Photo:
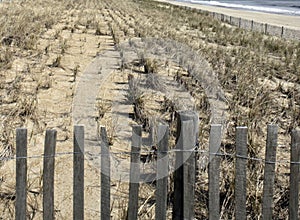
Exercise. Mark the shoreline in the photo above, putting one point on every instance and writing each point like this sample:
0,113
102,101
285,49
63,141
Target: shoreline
287,21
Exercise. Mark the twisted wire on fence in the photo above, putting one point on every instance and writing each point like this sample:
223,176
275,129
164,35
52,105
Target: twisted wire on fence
232,155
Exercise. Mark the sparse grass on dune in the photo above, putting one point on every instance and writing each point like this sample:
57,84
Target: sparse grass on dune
259,74
44,45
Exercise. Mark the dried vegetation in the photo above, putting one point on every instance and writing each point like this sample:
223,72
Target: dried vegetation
259,74
260,77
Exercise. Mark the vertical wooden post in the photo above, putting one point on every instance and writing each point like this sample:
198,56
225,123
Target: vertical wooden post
252,25
187,115
78,172
162,173
105,176
189,170
240,22
240,173
184,175
21,173
282,32
48,175
266,28
134,173
294,176
214,171
269,173
152,139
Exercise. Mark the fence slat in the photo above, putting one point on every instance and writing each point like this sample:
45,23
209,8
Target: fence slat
21,173
240,174
186,139
269,173
78,178
162,173
214,172
134,172
105,176
188,169
294,175
48,174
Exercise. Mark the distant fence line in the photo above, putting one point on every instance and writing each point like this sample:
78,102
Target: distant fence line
184,175
274,30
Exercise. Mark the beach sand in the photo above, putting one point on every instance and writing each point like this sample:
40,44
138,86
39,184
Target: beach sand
292,22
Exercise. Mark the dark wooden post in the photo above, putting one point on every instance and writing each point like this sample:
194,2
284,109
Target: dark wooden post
282,32
294,176
162,173
222,17
240,173
21,173
184,175
48,175
269,174
78,178
266,28
105,176
214,171
134,173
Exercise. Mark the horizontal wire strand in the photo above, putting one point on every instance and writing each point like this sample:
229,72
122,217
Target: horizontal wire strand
88,153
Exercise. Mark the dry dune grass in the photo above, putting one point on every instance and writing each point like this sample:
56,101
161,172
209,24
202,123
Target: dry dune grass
260,76
45,46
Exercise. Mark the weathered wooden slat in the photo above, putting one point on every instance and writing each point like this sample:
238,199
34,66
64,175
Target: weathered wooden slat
180,183
188,169
21,173
214,171
294,176
240,173
48,175
105,176
78,173
188,115
269,173
162,173
134,173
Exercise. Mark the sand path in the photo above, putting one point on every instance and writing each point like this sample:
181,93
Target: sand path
104,75
84,103
96,75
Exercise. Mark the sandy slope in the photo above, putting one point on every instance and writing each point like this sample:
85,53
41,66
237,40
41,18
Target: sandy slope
55,103
53,88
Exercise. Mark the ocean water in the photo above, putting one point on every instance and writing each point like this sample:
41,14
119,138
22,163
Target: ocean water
290,7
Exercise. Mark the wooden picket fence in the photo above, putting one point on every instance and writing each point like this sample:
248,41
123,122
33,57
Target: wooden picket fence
184,176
